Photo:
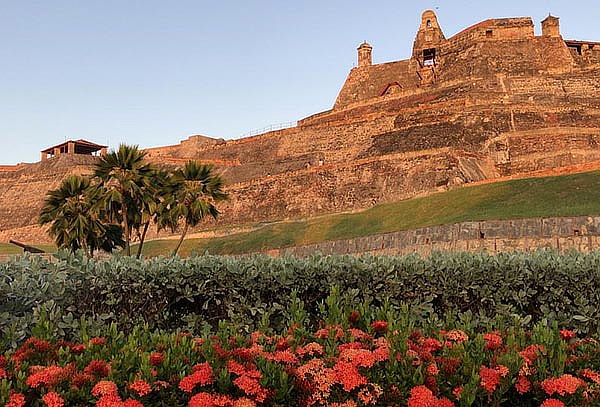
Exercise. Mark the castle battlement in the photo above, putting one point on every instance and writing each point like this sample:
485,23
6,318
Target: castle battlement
506,46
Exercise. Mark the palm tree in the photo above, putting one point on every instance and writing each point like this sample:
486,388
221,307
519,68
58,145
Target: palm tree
75,222
124,175
197,190
161,186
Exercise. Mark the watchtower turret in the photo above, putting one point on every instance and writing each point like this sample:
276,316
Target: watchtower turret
365,54
429,38
551,26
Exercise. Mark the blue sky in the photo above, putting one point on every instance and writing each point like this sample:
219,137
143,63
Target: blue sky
154,72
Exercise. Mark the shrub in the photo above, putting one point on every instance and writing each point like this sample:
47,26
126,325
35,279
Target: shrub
350,363
170,293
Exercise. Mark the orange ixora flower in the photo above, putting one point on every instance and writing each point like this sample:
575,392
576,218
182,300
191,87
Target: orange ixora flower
348,403
15,400
202,375
591,375
104,387
348,376
566,384
110,400
523,385
457,336
567,335
493,341
53,399
490,378
97,341
156,358
244,402
369,394
251,387
47,376
379,326
141,387
209,400
552,403
421,396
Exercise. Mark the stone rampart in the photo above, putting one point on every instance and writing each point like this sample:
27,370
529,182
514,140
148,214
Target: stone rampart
563,234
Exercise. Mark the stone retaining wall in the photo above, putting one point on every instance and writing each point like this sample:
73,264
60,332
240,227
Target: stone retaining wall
564,234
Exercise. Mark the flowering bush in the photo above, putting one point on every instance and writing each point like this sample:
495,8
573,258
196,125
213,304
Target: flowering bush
354,362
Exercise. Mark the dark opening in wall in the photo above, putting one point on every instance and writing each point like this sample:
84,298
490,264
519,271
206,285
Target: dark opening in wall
576,232
575,47
489,33
481,235
429,57
428,23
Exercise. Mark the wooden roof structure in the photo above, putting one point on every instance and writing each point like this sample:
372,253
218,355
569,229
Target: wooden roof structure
80,147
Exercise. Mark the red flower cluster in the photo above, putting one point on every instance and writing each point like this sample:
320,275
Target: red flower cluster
48,376
156,358
567,335
379,326
109,396
421,396
141,387
493,341
566,384
490,378
523,384
202,375
457,336
553,403
216,400
591,375
334,367
53,399
16,400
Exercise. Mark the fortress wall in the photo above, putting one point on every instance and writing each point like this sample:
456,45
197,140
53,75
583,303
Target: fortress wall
550,147
22,192
367,82
494,236
357,184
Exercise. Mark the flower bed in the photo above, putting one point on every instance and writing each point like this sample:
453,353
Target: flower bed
356,363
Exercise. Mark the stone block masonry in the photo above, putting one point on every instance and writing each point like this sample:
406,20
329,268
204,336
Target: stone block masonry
563,234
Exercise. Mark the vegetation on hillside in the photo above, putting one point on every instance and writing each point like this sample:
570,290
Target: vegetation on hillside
123,197
565,195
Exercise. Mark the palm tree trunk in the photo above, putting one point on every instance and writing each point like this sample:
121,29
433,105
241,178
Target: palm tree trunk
185,229
126,227
139,252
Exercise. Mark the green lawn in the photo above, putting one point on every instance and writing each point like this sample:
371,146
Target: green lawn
566,195
7,248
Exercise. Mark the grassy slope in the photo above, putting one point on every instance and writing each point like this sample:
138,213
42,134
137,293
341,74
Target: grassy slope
566,195
7,248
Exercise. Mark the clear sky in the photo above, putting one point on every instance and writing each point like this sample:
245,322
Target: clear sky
153,72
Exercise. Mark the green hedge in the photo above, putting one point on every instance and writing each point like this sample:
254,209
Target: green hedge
188,293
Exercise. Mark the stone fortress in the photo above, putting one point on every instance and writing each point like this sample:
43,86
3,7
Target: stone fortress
490,102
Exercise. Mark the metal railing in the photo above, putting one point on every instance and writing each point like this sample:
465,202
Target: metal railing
273,127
